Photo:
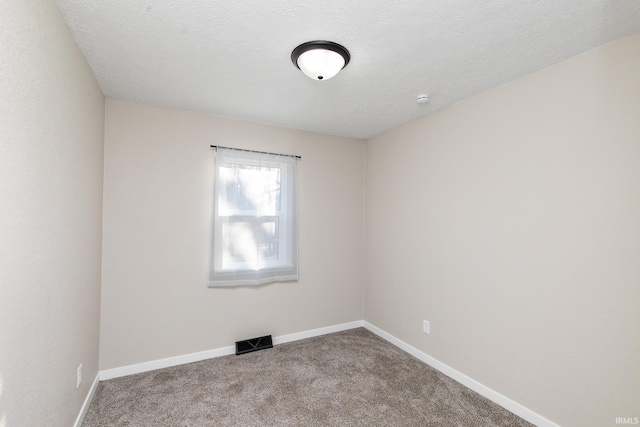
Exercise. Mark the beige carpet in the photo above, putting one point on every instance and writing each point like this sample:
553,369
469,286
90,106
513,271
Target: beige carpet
351,378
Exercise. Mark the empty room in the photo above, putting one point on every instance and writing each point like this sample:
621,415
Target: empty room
305,213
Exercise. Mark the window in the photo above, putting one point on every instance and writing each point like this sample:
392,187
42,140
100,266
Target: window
254,237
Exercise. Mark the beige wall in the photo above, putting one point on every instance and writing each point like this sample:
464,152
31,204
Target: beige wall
511,221
51,157
157,206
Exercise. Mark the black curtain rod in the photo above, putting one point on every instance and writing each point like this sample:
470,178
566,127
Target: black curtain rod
259,152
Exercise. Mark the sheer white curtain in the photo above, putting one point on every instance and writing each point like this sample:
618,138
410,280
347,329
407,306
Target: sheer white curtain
254,239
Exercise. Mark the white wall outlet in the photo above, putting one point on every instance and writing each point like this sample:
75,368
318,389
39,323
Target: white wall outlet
426,327
79,376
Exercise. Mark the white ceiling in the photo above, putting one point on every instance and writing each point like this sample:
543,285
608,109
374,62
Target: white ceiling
232,58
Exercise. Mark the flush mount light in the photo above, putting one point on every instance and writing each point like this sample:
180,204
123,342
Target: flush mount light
320,60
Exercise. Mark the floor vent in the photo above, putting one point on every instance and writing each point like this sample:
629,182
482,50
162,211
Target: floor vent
253,344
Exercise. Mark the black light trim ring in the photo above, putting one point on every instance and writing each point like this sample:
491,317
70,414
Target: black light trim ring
320,44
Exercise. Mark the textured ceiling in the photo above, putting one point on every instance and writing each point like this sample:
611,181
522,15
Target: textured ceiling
232,58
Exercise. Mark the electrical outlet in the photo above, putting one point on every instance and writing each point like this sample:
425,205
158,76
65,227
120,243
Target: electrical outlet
426,327
79,376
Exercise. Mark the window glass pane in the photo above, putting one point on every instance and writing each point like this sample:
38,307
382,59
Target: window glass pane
250,188
252,241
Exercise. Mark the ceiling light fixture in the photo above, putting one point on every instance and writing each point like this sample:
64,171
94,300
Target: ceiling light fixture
320,60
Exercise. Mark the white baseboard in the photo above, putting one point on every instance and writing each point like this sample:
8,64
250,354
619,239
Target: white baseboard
123,371
87,401
317,332
474,385
108,374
